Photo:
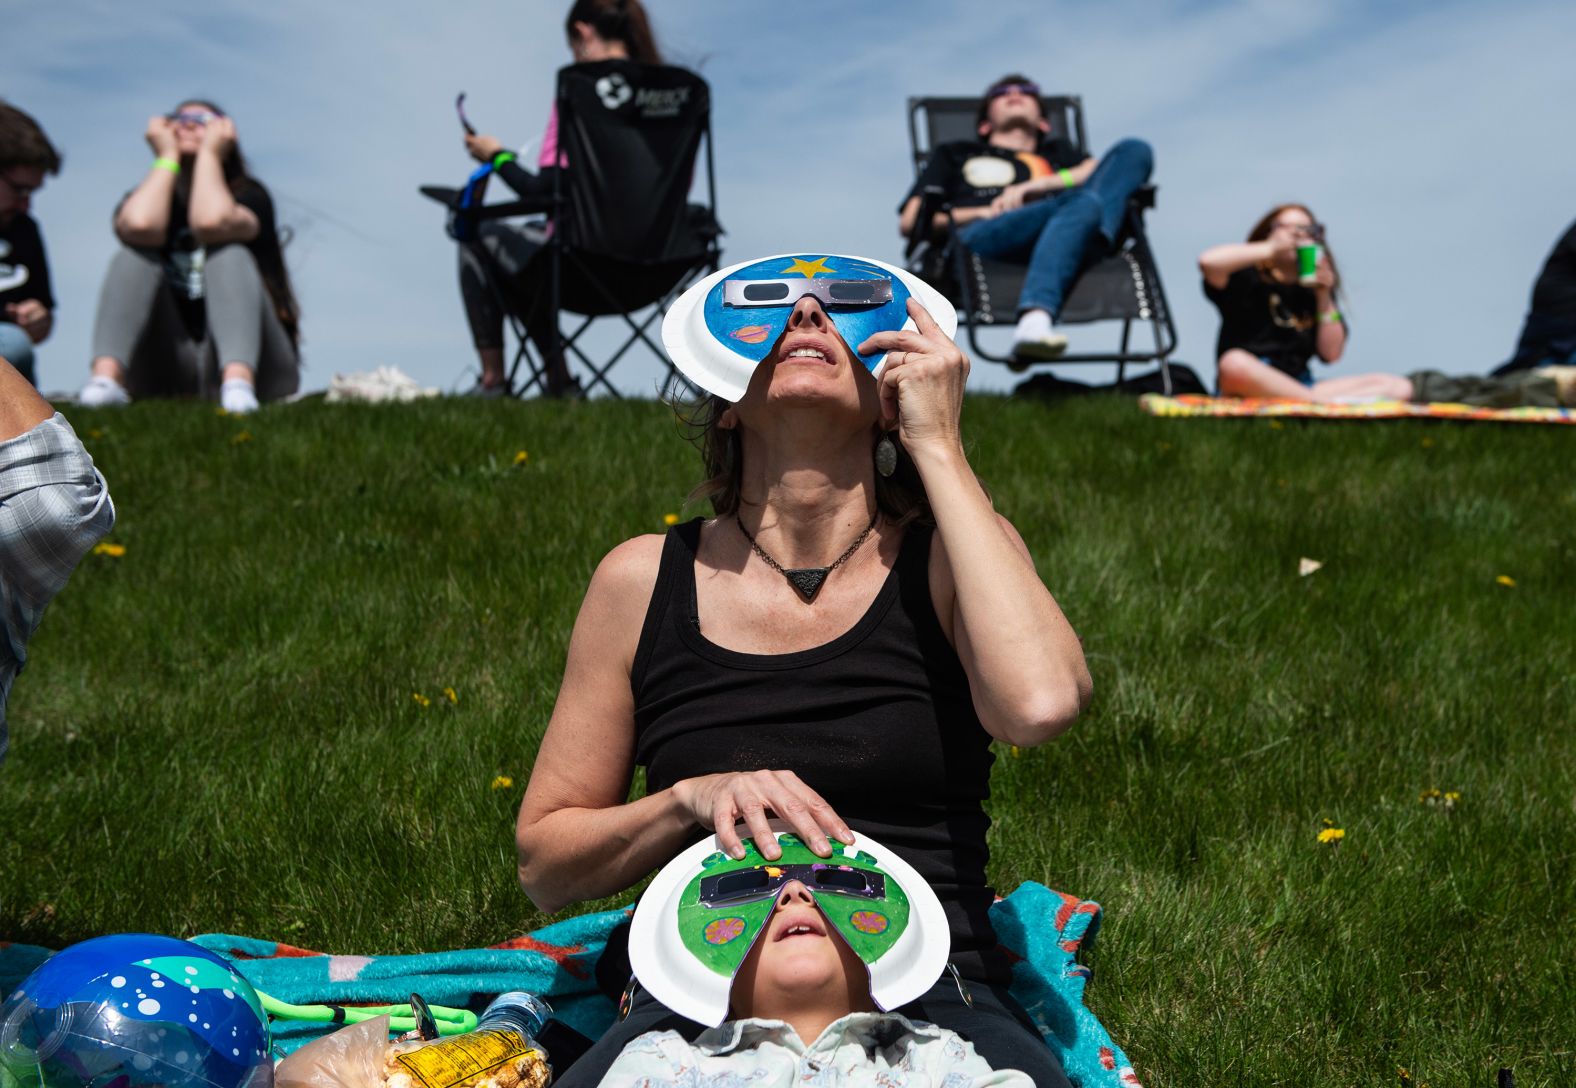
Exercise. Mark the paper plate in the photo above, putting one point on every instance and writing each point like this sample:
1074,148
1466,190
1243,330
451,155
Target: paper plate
718,346
663,951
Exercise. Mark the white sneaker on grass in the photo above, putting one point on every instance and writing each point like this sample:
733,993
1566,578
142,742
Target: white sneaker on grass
102,392
238,397
1036,340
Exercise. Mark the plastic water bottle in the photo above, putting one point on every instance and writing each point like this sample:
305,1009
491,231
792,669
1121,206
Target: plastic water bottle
516,1011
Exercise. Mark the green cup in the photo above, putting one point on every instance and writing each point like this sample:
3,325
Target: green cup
1308,262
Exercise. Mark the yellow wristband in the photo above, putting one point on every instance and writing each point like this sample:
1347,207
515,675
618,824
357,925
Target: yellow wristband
162,163
1068,181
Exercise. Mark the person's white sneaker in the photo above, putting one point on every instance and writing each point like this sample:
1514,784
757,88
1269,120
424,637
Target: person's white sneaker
1036,340
238,397
102,392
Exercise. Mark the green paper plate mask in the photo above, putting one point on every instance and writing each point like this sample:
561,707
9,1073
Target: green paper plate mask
697,922
727,906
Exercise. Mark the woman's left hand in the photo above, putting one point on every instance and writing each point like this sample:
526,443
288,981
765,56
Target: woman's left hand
921,385
483,148
218,136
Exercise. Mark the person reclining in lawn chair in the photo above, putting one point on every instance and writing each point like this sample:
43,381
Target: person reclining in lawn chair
1022,195
798,966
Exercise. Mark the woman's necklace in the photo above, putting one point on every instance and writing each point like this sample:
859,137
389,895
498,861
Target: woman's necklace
807,580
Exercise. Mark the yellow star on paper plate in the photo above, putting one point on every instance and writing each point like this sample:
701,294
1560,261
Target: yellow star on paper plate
809,269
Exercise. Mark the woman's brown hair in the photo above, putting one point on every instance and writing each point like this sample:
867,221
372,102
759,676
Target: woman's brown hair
617,21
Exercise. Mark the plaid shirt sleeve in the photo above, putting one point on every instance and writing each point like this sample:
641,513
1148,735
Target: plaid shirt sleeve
54,506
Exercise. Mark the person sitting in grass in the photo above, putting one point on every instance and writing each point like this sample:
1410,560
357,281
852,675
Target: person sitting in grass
838,646
54,506
1548,336
1272,324
1273,320
794,963
26,302
197,300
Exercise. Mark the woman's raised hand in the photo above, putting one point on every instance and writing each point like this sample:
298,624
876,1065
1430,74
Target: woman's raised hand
218,136
922,381
483,148
719,801
160,135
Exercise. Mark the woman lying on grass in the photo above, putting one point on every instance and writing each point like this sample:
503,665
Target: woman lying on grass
837,647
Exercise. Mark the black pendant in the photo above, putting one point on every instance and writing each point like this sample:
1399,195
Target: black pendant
807,580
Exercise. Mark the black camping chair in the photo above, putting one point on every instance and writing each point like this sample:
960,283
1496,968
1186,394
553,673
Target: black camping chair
1122,284
625,237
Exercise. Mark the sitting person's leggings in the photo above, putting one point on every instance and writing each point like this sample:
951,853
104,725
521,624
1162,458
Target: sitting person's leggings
139,325
497,276
998,1027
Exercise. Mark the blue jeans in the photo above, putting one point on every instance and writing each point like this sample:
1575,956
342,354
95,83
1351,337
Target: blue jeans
16,348
1051,235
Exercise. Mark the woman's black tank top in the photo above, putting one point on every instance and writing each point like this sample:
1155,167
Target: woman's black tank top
878,721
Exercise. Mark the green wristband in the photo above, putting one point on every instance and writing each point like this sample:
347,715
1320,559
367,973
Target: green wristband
1068,181
172,165
502,157
1330,317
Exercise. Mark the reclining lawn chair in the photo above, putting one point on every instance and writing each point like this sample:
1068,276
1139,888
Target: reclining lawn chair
624,237
1122,284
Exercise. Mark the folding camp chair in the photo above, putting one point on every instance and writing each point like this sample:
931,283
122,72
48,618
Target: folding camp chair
624,237
1120,284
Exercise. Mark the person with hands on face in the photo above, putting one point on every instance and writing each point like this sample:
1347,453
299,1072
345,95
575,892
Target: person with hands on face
837,647
1024,196
27,301
496,269
1271,324
197,300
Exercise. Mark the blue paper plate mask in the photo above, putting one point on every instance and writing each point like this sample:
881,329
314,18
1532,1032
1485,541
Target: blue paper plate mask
752,330
723,327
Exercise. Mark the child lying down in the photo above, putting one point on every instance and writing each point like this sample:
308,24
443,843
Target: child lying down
794,962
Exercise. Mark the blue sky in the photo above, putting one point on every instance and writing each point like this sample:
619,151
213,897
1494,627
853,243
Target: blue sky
1434,139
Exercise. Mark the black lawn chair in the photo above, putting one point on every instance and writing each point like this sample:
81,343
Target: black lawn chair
624,237
1122,284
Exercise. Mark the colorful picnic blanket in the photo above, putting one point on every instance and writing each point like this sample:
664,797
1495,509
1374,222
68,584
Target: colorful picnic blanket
1042,929
1196,405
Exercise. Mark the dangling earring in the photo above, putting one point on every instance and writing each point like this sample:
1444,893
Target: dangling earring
886,455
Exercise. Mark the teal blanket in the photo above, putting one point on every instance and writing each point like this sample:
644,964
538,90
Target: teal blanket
1042,929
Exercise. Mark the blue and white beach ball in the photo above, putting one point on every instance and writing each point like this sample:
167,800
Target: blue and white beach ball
135,1010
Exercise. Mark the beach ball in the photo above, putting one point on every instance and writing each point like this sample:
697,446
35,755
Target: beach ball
134,1010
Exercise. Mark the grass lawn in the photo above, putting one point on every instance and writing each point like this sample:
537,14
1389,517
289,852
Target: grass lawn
220,729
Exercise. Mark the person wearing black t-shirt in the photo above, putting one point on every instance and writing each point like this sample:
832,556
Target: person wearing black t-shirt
26,302
197,301
1271,325
1548,338
1020,195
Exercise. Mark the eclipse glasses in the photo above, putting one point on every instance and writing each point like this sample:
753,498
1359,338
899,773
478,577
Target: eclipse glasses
763,881
870,292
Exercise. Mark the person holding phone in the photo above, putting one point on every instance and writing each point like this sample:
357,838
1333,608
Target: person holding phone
197,300
496,270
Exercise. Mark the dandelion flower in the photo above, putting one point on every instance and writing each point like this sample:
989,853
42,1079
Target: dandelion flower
1428,796
1507,581
1277,425
502,782
1015,752
670,519
221,411
96,433
242,436
521,457
1452,797
420,700
114,551
1428,443
452,695
1332,834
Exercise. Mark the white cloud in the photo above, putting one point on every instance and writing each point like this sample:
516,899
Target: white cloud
1430,138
